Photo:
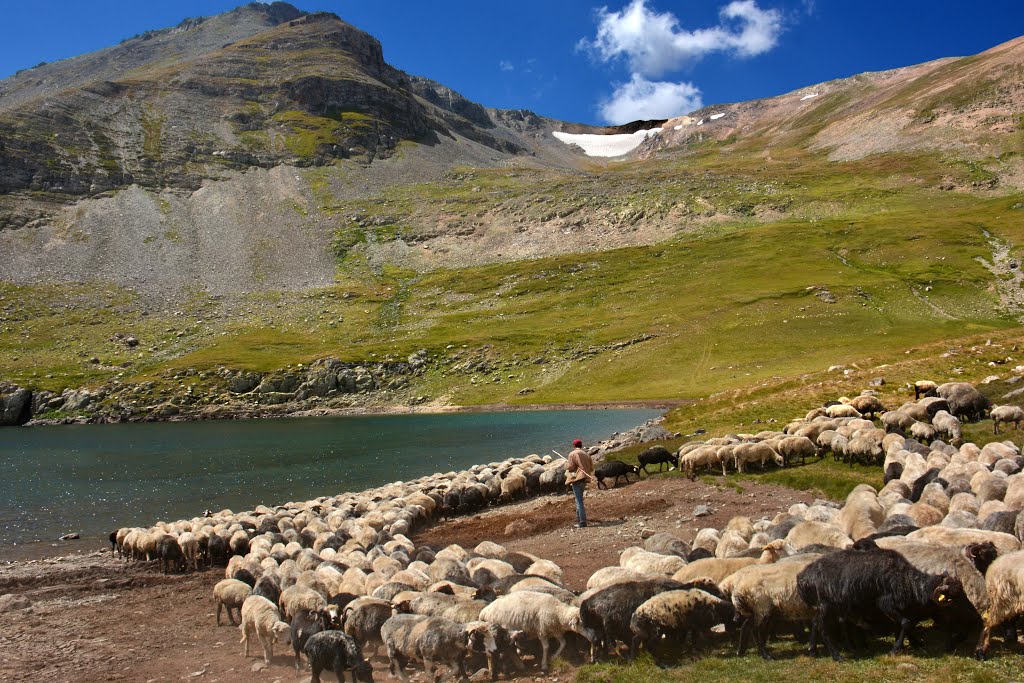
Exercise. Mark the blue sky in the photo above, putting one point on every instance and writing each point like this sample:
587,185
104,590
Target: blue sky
583,60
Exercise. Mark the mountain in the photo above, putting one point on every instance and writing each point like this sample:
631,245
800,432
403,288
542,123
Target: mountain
244,200
149,153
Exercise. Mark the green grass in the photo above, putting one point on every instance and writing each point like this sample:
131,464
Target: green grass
826,477
723,666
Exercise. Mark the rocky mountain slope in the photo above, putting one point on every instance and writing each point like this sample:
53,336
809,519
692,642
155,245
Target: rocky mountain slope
140,163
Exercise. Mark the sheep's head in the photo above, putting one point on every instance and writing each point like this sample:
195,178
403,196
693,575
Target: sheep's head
479,637
363,672
281,631
948,591
773,551
981,554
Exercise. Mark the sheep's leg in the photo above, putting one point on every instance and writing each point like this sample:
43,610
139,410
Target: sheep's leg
544,653
825,636
981,650
995,426
245,641
901,636
219,606
762,639
428,669
268,648
741,637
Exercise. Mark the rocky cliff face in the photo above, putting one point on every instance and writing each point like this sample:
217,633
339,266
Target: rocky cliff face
169,110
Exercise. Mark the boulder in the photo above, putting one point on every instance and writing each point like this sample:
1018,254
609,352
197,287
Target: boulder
243,383
15,405
285,384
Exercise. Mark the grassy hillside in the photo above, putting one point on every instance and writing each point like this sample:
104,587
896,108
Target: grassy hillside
856,261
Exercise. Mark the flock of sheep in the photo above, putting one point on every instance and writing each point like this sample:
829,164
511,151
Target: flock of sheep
339,577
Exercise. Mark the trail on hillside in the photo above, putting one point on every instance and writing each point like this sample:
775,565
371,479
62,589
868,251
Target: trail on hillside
1009,278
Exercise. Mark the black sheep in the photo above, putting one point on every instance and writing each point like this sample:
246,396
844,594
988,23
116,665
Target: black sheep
218,551
337,652
698,553
928,477
113,542
657,455
452,501
608,612
893,470
876,586
341,601
472,500
245,576
269,588
616,469
304,625
169,552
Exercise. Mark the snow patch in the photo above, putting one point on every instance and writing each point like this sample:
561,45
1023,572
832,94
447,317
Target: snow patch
679,127
606,145
715,117
809,97
701,122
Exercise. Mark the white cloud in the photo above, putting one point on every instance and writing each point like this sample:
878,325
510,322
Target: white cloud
644,99
655,43
506,65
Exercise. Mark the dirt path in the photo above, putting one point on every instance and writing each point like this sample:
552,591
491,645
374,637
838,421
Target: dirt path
94,619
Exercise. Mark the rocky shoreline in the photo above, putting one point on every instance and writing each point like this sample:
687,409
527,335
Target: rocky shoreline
328,386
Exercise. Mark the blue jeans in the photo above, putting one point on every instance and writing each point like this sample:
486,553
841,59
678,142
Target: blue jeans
577,489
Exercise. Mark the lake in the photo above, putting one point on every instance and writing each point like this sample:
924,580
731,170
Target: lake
91,479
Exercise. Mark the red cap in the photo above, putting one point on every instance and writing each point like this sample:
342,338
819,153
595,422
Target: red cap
577,444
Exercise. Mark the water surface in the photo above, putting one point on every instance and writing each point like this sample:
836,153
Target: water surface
90,479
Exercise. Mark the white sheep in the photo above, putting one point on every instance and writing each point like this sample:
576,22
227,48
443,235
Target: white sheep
861,514
1004,543
189,544
842,410
760,453
948,426
547,569
261,618
794,447
703,456
923,432
644,562
717,569
1004,584
1006,414
230,594
763,591
539,616
608,576
299,597
818,533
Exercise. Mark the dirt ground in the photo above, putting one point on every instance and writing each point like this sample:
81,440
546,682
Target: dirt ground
93,618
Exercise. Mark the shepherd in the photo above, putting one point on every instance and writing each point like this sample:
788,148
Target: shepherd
578,469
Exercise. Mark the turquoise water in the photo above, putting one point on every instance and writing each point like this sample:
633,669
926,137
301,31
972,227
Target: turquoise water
91,479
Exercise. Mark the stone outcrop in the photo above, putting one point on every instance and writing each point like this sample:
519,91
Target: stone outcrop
225,393
15,404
